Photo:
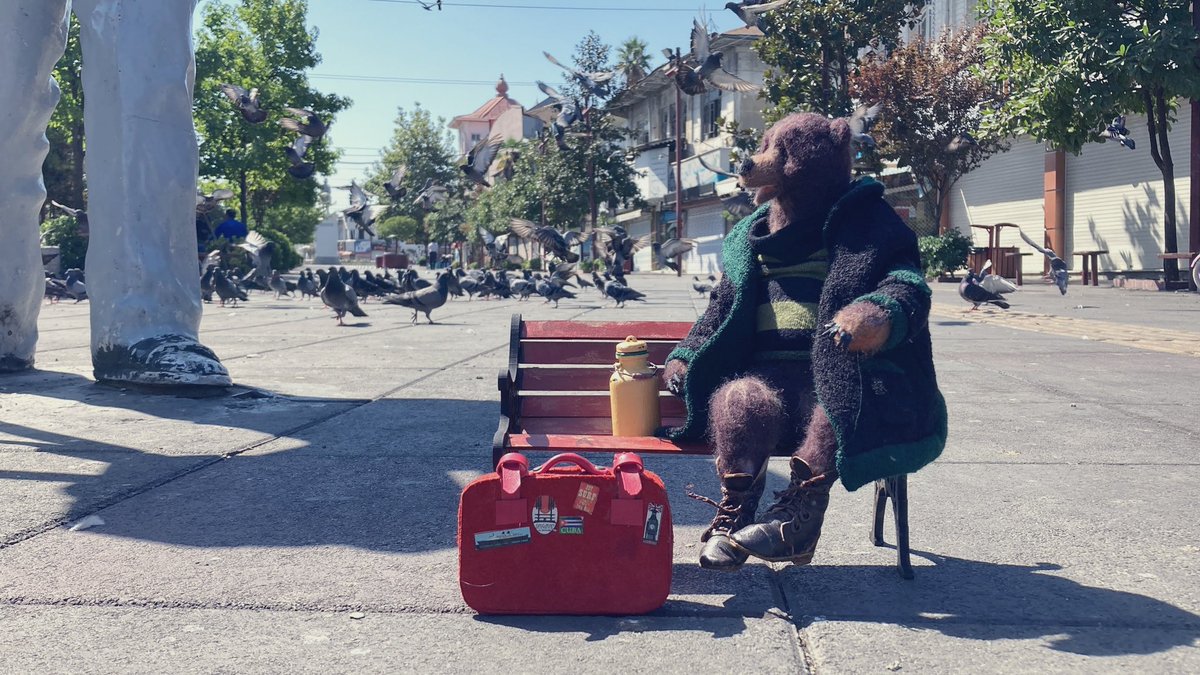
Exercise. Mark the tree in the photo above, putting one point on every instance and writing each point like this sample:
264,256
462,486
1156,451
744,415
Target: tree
399,228
813,47
632,60
263,44
931,93
63,172
422,144
591,56
1071,66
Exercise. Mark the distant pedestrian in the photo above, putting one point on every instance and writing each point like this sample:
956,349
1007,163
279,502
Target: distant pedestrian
431,258
231,228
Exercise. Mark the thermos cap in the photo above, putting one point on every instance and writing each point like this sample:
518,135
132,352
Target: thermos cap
632,347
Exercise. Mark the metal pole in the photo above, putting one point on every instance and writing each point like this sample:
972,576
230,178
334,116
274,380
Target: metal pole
1194,179
679,233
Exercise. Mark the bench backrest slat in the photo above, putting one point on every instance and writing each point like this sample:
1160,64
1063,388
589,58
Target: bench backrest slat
614,331
599,426
584,352
567,378
576,405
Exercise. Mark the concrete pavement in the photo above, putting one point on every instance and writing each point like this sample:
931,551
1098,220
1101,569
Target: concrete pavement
312,528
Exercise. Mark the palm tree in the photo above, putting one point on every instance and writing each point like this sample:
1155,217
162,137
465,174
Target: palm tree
632,60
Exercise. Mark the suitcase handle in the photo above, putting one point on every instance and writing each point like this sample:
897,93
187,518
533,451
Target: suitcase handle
571,458
512,468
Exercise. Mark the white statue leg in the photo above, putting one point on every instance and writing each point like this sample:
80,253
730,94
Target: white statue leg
33,35
142,272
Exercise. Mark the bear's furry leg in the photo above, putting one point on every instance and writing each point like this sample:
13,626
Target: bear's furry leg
746,419
819,449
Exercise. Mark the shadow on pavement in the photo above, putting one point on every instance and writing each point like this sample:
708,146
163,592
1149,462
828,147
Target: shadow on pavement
992,601
599,628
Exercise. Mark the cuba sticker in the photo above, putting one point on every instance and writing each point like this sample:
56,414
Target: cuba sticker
498,538
570,525
653,523
545,514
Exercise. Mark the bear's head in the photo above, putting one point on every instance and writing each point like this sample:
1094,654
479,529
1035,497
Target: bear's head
803,163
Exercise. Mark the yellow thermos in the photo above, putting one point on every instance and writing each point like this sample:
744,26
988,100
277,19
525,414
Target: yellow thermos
633,390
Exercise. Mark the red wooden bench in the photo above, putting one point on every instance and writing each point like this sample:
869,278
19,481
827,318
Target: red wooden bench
554,398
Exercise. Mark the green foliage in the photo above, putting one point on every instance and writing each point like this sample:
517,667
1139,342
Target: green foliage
745,139
591,56
63,232
632,60
473,265
295,220
286,258
945,253
402,228
63,169
930,92
812,48
262,44
533,264
1071,66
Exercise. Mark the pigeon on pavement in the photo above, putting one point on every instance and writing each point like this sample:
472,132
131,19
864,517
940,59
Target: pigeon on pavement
426,299
970,290
339,297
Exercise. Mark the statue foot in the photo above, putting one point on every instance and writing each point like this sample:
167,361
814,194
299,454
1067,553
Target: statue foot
162,361
13,364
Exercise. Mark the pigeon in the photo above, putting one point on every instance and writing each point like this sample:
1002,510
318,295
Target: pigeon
1195,265
206,283
567,116
395,190
598,281
339,297
431,195
75,286
226,289
79,215
672,249
970,290
961,141
553,292
261,250
360,210
555,242
620,247
684,71
300,169
739,205
750,12
621,293
247,103
278,285
994,282
476,162
55,289
584,283
1058,268
306,285
860,125
709,69
496,246
595,84
207,203
304,122
426,299
1116,131
702,289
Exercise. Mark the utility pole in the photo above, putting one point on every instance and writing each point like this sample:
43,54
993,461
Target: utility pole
1194,179
679,233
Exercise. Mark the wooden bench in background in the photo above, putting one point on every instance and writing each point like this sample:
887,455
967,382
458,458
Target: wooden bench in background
554,398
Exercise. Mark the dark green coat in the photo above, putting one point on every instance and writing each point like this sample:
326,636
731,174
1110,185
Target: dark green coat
887,412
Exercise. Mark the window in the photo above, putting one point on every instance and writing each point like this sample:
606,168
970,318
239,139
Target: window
668,121
475,138
711,113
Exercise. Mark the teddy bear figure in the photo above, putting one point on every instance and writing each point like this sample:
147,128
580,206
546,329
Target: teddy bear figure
815,343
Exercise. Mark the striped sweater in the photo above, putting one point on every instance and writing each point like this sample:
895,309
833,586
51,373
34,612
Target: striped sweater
792,267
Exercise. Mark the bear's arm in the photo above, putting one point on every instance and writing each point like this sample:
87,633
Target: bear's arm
906,298
719,305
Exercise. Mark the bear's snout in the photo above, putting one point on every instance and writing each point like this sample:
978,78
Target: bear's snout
746,166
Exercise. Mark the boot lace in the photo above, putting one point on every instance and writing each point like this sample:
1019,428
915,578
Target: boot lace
794,500
728,512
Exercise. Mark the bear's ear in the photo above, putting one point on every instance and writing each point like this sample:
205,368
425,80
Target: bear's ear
839,131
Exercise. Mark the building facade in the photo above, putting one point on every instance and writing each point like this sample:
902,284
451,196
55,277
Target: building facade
648,109
499,115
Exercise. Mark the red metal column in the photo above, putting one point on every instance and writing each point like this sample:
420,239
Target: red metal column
1054,203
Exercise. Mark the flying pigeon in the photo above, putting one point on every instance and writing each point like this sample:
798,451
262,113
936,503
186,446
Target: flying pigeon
749,12
683,70
970,290
247,103
555,242
261,250
431,195
339,297
1116,131
79,215
860,125
304,122
208,203
594,83
672,249
709,69
395,190
1058,268
300,169
476,162
360,211
994,282
961,142
568,114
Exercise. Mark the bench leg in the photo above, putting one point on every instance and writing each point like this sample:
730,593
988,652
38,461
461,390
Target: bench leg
895,487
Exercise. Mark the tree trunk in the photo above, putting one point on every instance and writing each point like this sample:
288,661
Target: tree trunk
243,195
1160,150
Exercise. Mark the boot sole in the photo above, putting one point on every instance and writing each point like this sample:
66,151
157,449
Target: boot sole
802,559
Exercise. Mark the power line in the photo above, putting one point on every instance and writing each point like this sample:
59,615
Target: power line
570,8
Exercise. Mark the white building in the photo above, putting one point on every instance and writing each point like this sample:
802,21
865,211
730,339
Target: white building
648,108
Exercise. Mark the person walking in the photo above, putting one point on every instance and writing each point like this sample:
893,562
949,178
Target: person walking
431,258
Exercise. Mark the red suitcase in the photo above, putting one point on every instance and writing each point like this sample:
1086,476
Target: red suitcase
565,538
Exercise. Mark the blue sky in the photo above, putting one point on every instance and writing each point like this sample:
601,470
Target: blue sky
389,39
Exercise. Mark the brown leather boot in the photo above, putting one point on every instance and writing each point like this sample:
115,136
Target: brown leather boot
789,530
740,493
